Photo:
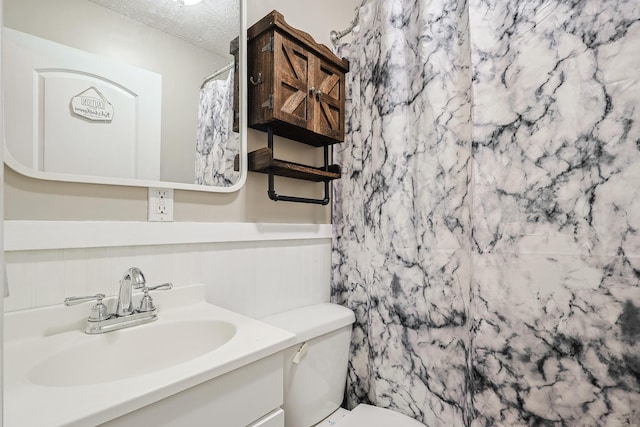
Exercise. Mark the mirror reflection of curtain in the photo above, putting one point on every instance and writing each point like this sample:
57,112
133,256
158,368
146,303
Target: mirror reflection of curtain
217,144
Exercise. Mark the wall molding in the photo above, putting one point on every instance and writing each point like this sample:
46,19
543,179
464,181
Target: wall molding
44,235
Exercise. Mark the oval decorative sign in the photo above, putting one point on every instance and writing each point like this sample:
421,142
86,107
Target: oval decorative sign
92,105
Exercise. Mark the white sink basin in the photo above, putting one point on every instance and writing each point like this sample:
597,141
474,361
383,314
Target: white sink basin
74,379
131,352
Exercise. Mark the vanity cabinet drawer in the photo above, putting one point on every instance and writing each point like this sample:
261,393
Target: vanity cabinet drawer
235,399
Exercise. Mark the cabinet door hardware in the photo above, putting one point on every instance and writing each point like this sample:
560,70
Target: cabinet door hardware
257,81
269,46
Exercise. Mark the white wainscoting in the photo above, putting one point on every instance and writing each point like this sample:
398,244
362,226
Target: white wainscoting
253,269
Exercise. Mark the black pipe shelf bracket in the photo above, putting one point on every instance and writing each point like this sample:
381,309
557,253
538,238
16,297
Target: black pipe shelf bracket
264,161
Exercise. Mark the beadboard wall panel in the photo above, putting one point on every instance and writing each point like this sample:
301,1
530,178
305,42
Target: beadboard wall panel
255,275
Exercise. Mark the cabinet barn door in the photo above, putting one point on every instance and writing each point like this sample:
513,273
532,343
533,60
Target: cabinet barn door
291,83
329,106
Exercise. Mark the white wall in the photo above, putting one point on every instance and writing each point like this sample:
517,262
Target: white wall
253,269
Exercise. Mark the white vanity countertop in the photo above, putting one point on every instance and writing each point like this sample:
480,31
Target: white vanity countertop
33,336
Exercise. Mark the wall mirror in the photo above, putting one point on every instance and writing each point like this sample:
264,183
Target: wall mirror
146,93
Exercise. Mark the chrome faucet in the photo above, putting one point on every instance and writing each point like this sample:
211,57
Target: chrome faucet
132,279
125,316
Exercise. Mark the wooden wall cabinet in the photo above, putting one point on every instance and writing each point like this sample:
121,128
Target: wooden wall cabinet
297,86
297,91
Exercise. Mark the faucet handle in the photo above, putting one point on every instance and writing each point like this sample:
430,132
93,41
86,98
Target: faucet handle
98,311
146,303
79,300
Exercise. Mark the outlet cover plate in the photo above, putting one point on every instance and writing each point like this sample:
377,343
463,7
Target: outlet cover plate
160,207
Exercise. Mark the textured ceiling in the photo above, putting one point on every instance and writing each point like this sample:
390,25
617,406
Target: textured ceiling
211,24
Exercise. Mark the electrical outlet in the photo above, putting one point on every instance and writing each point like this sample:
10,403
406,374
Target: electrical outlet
160,204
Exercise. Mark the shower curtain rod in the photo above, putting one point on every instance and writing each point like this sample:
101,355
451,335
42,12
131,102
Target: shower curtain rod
337,35
217,73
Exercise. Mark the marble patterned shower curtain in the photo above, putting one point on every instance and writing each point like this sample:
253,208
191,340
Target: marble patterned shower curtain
401,251
492,254
216,143
556,213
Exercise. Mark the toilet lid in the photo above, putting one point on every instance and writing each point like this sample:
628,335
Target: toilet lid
372,416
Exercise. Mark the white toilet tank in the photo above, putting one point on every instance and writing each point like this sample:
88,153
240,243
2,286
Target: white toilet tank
314,386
